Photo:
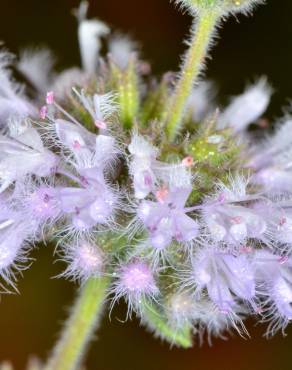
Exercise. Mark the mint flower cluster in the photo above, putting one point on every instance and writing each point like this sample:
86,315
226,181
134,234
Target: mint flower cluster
150,191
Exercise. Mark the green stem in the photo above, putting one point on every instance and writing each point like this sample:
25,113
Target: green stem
194,62
80,327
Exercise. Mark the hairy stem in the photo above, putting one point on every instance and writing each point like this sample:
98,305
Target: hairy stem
192,66
80,327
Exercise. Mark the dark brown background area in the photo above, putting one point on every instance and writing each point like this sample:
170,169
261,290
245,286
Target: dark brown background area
248,47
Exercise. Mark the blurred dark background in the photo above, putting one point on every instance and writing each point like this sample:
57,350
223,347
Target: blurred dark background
248,48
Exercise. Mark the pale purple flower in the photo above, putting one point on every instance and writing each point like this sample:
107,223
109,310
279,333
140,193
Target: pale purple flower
167,219
233,224
90,205
75,138
147,172
226,277
232,216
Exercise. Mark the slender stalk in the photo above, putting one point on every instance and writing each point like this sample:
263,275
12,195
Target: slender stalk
78,331
192,66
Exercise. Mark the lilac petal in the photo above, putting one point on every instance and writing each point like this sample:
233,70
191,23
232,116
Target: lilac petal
82,220
100,210
240,276
74,198
186,229
179,196
220,294
151,214
94,176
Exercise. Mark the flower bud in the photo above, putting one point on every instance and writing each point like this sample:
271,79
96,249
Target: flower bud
136,282
85,259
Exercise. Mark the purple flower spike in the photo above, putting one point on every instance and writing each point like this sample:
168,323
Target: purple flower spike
166,219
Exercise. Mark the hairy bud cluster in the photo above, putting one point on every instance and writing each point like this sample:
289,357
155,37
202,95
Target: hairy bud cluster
221,6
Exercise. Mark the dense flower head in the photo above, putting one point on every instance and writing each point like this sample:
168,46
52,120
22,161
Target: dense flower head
194,233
